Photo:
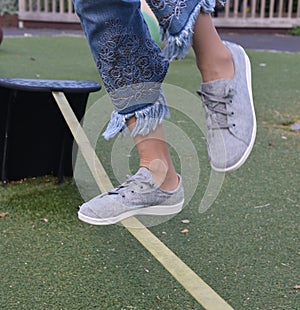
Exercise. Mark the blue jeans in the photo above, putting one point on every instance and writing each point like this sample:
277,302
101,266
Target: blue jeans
132,66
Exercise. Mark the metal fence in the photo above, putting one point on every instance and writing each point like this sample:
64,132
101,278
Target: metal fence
61,11
235,14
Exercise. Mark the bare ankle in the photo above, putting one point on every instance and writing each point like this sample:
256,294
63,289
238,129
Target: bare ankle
221,68
165,177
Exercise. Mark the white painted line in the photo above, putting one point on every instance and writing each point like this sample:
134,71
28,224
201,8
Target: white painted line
202,292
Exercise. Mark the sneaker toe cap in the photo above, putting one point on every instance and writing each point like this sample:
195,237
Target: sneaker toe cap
87,211
230,157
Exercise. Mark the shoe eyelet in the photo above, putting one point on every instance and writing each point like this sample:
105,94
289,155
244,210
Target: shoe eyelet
232,113
233,125
132,192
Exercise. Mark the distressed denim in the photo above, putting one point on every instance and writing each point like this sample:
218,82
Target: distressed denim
132,66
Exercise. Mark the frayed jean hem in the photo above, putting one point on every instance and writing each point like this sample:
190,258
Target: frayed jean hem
147,119
178,45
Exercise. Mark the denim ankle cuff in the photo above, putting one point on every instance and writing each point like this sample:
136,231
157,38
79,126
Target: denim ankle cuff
147,119
177,32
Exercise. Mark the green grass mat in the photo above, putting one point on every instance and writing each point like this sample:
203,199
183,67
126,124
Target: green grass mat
246,246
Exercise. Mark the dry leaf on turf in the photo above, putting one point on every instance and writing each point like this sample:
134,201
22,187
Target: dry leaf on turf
185,221
297,287
3,214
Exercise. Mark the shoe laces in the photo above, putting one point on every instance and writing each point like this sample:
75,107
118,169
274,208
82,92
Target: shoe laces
132,184
217,108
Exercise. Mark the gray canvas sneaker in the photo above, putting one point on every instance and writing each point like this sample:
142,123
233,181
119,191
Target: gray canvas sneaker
230,115
139,195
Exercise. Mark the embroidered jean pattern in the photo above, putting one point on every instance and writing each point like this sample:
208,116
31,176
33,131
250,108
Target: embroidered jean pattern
128,64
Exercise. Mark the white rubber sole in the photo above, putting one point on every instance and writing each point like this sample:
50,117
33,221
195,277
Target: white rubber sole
154,211
253,136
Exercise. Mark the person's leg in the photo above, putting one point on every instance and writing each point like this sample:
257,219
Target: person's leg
125,56
155,156
226,91
213,58
132,70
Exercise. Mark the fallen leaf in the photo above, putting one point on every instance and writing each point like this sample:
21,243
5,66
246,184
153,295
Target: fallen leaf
3,214
297,287
45,220
185,221
185,231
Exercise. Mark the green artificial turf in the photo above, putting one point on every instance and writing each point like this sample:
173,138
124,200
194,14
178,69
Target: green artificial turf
245,246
